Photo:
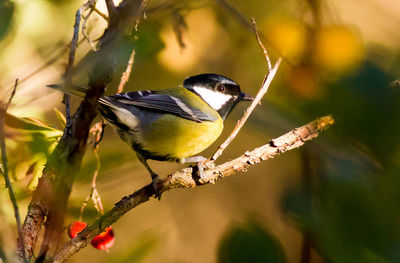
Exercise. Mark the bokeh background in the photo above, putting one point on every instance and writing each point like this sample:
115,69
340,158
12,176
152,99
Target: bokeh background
334,200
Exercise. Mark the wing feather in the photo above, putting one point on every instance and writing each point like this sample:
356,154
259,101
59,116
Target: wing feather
150,100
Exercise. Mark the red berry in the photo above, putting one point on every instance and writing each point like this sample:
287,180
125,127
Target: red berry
104,240
75,228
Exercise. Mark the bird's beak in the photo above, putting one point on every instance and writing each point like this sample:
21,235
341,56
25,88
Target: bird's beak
246,97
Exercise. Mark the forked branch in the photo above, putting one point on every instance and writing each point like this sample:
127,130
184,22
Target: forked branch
184,179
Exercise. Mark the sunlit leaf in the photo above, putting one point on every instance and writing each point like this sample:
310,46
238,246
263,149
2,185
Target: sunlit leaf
30,143
61,118
27,123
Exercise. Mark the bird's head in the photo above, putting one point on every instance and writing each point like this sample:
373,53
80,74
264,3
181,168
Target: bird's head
220,92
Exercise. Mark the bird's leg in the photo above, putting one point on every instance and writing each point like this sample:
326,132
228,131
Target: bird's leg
200,160
155,179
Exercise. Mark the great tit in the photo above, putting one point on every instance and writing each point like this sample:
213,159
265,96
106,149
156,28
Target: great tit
172,124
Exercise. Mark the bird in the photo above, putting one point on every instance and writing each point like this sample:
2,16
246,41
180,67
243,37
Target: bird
173,124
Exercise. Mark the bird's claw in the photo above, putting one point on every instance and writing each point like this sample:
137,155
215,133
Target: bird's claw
154,183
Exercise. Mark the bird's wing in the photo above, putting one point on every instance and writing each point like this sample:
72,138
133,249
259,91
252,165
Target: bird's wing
163,103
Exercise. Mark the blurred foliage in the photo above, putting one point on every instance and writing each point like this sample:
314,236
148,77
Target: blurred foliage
366,112
137,252
287,35
249,242
351,218
337,49
6,15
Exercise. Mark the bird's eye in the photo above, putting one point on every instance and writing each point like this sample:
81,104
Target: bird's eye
221,88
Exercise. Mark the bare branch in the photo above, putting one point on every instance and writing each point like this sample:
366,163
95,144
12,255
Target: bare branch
11,96
262,91
50,198
68,71
125,76
3,111
100,13
260,43
84,31
97,130
184,179
266,83
74,45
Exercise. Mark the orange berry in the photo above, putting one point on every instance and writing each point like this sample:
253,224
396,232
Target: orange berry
104,240
75,228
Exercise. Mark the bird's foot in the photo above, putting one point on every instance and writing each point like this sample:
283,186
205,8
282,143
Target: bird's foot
154,183
202,163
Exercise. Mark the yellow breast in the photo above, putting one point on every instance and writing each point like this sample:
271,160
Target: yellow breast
180,138
177,137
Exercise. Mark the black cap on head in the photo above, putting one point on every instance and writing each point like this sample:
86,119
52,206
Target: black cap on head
220,92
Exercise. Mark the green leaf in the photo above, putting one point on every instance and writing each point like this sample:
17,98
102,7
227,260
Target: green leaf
27,123
61,118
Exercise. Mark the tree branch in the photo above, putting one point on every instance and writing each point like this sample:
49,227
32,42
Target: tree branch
184,179
260,43
68,71
4,171
262,91
266,83
50,198
127,73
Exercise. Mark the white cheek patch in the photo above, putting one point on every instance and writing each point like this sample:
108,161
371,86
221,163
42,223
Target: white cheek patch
215,99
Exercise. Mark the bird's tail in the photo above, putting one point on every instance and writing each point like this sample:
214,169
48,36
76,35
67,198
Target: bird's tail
73,90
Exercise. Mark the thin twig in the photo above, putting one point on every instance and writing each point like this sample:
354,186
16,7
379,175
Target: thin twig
267,82
74,44
263,90
94,194
91,5
68,71
4,160
125,76
96,198
85,33
184,179
260,43
11,96
100,13
97,130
